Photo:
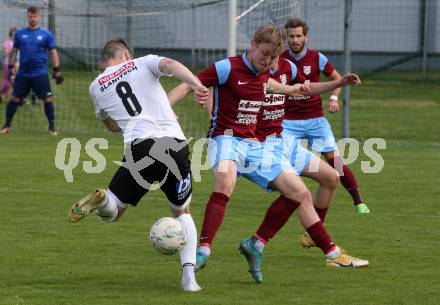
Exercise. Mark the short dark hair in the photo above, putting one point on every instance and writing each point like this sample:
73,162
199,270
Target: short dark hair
296,23
33,10
113,47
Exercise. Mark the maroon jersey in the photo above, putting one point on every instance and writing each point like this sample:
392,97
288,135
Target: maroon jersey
238,95
272,112
309,65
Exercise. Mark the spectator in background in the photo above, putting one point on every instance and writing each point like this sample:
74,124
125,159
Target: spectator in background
7,48
33,43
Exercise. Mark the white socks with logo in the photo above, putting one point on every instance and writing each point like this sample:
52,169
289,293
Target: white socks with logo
188,253
107,211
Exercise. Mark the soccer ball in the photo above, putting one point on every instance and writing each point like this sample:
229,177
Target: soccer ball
167,235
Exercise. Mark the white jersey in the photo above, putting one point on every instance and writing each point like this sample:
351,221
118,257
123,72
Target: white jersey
131,94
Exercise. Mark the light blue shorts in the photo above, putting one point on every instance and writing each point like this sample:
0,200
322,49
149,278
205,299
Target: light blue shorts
260,162
270,163
317,131
298,156
231,148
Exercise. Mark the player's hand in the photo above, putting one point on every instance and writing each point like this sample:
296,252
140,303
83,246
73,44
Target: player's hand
201,94
333,106
350,79
301,89
58,77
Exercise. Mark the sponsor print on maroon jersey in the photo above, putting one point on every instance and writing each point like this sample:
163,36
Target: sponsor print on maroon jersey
238,96
249,106
274,99
273,108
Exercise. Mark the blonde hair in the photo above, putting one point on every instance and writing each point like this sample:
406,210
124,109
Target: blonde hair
269,33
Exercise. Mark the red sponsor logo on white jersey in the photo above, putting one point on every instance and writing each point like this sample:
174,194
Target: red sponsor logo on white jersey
107,78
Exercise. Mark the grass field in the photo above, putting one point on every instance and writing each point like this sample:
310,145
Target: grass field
46,260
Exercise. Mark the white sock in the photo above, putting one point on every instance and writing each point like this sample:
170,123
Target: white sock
205,250
259,245
107,211
334,253
188,253
188,274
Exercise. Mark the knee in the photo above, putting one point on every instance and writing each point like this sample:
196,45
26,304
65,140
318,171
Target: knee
225,188
332,180
308,198
224,184
302,196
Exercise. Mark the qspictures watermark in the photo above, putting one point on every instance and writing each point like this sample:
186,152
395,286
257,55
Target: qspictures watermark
69,151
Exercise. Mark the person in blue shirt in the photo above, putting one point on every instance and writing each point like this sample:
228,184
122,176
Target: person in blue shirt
33,43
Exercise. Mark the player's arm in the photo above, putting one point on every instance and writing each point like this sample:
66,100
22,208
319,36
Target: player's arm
210,102
101,114
111,125
339,81
291,90
173,67
55,60
333,105
327,68
178,93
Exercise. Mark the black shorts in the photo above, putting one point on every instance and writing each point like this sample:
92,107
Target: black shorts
164,161
39,84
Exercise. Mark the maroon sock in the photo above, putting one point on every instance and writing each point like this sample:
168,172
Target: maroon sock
276,216
349,182
321,213
214,213
320,236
